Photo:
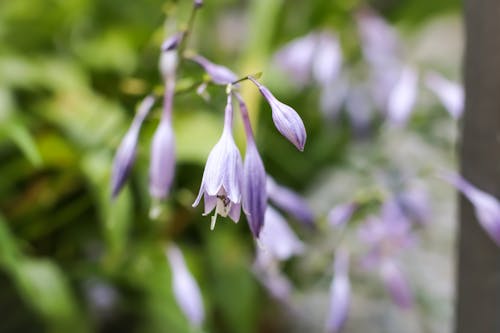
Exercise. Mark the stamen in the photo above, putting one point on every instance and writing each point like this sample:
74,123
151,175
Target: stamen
213,220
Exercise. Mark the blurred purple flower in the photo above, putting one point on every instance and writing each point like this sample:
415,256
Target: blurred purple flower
289,201
221,182
396,284
198,3
125,154
333,96
186,290
162,166
254,195
340,293
268,273
296,58
286,119
403,97
327,58
341,214
487,207
277,238
415,205
218,74
360,110
172,42
450,94
379,41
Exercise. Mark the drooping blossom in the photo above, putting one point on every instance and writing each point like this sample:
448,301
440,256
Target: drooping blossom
186,291
396,284
221,182
285,118
169,58
486,206
403,97
450,94
341,214
254,195
125,154
162,166
290,201
218,74
340,293
277,238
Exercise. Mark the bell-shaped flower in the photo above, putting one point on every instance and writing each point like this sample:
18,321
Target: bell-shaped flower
450,94
403,97
186,290
341,214
125,154
162,166
396,284
290,201
340,293
221,182
254,194
277,238
486,206
285,118
218,74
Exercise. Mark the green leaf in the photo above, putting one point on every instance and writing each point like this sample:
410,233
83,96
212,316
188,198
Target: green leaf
42,285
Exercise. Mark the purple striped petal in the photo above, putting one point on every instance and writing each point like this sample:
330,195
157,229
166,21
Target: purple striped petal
162,166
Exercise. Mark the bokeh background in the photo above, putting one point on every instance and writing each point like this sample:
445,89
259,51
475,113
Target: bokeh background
71,75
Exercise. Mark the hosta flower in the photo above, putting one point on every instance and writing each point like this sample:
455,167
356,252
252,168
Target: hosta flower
289,201
396,284
254,193
340,293
221,182
486,206
403,97
218,74
186,290
125,154
277,238
162,166
341,214
450,94
286,119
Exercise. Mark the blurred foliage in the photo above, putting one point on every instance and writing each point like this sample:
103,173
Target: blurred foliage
71,73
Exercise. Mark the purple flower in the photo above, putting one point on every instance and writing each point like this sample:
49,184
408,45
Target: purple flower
415,205
450,94
296,58
340,293
396,284
221,180
125,154
198,3
268,273
341,214
290,202
487,207
254,194
327,59
403,97
186,290
218,74
286,119
277,238
162,166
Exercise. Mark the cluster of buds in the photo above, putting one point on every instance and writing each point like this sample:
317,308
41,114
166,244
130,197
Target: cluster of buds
229,183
